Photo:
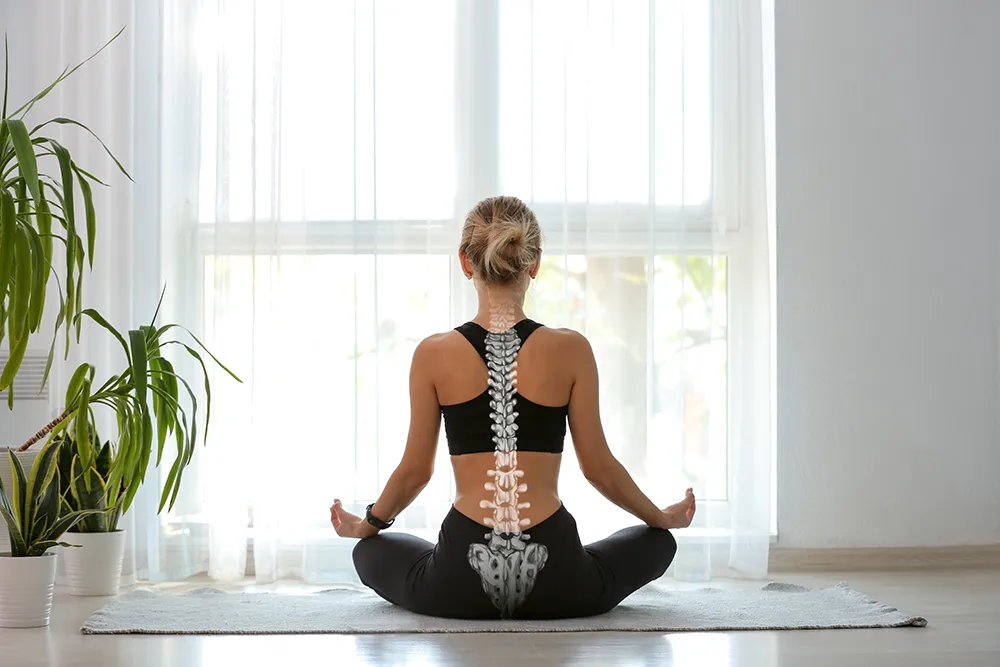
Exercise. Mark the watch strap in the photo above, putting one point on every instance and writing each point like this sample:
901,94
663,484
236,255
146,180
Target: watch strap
374,520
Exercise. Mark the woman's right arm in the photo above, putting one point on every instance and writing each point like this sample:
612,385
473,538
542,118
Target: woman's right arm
597,463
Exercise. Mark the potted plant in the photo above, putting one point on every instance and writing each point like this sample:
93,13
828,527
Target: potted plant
35,520
40,210
95,568
148,405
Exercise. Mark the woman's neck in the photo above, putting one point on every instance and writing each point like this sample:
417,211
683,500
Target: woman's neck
500,308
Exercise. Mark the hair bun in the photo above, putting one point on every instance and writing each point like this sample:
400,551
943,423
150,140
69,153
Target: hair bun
502,239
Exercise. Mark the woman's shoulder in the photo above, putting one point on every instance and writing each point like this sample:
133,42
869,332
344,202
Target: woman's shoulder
563,337
439,343
557,340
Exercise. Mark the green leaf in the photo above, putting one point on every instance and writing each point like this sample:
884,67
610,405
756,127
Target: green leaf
66,174
10,369
160,407
88,205
25,154
121,469
79,285
21,196
99,319
18,547
67,452
138,431
208,385
19,489
89,490
42,473
83,373
139,367
62,77
40,548
156,313
6,79
44,222
21,296
66,198
52,347
102,465
168,486
115,515
5,503
162,330
67,521
70,121
8,232
171,407
82,426
38,274
147,435
48,510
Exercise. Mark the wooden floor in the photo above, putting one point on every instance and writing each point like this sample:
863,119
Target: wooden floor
963,609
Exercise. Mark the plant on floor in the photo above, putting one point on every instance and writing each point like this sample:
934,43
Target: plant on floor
90,489
109,476
32,508
33,207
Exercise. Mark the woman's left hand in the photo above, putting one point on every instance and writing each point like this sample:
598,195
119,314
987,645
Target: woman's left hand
349,525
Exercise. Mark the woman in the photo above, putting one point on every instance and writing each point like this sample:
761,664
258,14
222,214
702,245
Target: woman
505,386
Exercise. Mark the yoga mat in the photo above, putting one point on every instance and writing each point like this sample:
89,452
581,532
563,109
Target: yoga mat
652,609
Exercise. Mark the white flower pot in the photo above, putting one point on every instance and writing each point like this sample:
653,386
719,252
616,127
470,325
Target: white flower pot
94,567
26,590
27,459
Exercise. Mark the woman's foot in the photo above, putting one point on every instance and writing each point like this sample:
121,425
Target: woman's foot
680,515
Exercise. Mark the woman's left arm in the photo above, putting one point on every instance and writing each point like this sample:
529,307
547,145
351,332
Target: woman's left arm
415,469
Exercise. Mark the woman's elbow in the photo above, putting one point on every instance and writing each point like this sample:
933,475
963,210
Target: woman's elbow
595,472
418,476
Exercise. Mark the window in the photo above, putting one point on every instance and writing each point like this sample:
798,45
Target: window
339,146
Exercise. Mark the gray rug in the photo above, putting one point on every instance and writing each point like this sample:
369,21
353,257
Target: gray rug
210,611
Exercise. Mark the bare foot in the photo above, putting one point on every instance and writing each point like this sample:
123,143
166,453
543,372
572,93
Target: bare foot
680,515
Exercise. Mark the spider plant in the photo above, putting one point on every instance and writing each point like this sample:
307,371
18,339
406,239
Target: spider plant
33,512
147,401
36,210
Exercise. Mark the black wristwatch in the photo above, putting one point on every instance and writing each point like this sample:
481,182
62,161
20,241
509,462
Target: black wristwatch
375,521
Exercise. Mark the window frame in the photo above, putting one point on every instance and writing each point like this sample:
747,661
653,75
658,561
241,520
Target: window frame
623,229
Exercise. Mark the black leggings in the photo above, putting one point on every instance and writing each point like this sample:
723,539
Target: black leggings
567,579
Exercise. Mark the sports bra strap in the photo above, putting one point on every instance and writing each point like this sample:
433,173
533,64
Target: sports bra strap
476,335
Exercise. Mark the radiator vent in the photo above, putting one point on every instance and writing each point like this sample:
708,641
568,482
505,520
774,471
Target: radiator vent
29,377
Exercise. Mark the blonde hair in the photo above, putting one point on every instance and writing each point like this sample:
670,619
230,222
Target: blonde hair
502,239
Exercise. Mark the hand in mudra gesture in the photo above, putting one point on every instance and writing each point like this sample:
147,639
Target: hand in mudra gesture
349,525
679,515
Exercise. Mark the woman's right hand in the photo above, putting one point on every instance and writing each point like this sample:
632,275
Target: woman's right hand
679,515
349,525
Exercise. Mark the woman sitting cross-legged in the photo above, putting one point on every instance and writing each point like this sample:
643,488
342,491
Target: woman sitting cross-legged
506,387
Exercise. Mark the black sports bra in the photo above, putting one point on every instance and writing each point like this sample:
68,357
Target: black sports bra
472,426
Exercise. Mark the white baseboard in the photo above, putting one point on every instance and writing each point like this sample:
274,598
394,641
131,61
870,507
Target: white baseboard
889,558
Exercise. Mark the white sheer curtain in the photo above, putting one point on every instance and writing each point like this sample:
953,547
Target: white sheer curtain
112,96
316,159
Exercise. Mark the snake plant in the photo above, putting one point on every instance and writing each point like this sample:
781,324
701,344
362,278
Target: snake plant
37,211
36,519
89,489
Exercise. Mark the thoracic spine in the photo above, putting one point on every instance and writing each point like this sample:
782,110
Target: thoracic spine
506,484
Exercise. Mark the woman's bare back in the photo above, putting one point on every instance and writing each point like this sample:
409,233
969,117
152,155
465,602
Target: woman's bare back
545,377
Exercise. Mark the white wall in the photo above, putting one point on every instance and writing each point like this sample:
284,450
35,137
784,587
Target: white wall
29,414
99,95
888,172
